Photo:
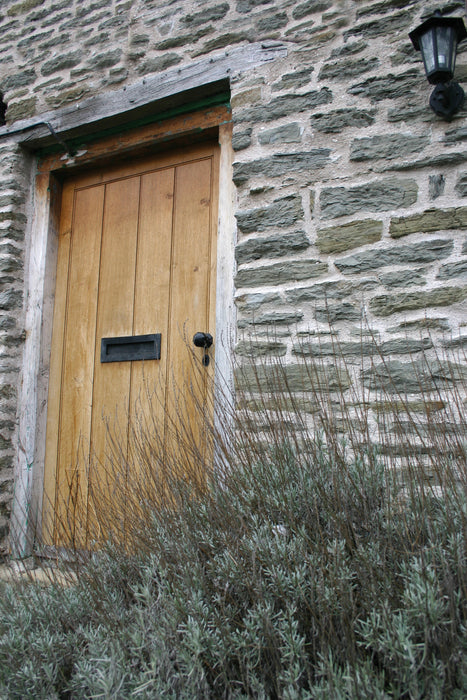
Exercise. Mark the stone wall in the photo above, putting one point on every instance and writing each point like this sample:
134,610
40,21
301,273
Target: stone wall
350,191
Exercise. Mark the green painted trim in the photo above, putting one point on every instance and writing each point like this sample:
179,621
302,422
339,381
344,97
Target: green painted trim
79,142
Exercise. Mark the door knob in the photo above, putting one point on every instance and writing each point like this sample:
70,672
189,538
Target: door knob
203,340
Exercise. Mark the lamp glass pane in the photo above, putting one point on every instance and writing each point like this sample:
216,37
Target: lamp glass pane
428,50
446,40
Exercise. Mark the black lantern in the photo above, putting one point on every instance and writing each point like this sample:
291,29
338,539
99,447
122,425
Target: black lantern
437,39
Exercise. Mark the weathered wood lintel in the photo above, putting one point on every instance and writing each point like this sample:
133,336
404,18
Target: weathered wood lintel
151,96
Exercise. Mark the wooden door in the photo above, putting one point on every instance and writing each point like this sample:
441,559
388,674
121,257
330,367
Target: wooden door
136,257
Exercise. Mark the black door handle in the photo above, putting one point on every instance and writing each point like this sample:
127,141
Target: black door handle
203,340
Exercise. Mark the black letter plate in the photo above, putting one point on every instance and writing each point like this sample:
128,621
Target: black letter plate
133,347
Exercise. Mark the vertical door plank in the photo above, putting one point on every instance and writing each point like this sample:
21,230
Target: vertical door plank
114,318
151,310
188,312
78,362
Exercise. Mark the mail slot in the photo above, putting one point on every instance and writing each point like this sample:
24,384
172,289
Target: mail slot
133,347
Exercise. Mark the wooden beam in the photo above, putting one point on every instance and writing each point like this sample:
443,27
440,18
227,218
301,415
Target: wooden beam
151,96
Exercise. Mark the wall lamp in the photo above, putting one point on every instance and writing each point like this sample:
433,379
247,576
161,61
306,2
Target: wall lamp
437,39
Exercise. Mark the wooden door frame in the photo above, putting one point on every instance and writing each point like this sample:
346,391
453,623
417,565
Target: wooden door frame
40,286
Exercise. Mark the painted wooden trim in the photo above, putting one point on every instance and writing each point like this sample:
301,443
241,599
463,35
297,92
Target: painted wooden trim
140,141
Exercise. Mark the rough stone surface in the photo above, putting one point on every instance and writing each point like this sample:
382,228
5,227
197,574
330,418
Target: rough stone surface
456,269
401,346
295,378
429,221
413,377
335,239
387,194
333,122
409,254
437,184
386,305
292,271
285,105
289,133
330,290
281,214
403,278
281,164
270,247
389,87
386,146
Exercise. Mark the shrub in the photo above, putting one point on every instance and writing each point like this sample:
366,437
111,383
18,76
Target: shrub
324,555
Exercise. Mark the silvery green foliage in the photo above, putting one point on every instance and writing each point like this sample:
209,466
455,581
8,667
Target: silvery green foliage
307,569
260,590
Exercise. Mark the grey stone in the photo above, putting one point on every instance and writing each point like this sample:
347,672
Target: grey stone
281,164
344,70
334,122
335,239
207,15
272,318
223,41
457,269
436,186
387,87
332,313
410,113
396,21
245,6
88,8
184,39
17,80
456,135
361,348
402,278
384,6
386,194
461,184
349,49
270,247
105,60
386,146
423,252
6,324
241,139
9,263
258,348
386,305
289,133
271,22
254,301
291,271
455,343
68,60
464,247
311,7
284,105
281,213
11,299
413,377
443,160
421,324
293,80
298,377
155,65
329,290
429,221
